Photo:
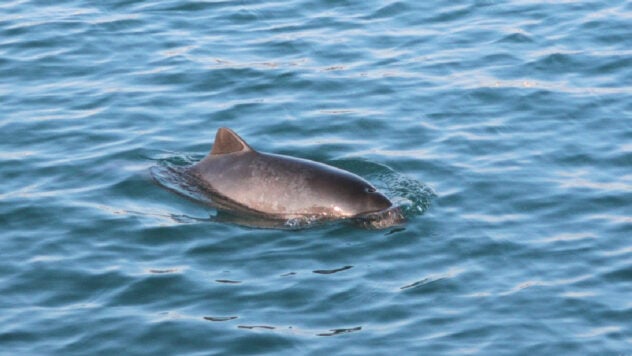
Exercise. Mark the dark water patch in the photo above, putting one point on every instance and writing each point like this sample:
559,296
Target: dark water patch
620,274
332,271
188,7
220,318
252,327
161,271
517,37
395,230
390,10
335,332
227,281
154,289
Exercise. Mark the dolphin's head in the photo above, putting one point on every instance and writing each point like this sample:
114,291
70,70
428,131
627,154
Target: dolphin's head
372,201
371,209
353,196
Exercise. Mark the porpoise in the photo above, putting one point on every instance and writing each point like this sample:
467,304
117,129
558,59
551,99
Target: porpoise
239,178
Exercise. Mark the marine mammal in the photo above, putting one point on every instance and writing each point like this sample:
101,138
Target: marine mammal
239,178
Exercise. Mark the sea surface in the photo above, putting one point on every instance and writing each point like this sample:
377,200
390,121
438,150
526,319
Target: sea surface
503,128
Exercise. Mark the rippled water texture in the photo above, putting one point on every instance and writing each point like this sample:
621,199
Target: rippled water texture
516,115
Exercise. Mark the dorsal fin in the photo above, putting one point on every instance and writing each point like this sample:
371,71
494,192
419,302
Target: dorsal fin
227,141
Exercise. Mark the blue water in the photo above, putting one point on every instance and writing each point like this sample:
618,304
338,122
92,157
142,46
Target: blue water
504,127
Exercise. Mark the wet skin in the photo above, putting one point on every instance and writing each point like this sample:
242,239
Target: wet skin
282,187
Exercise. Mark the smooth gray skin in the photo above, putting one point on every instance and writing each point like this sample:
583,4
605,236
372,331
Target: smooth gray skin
240,178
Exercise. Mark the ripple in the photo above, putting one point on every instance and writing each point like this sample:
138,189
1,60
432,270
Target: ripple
600,332
332,271
390,10
162,271
550,283
227,281
335,332
432,279
517,37
567,237
220,318
252,327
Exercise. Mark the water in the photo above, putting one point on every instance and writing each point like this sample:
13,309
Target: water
517,115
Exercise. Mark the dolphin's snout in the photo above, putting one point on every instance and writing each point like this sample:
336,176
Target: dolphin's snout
379,201
383,219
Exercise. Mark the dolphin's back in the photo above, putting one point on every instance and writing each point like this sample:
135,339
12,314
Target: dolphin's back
281,186
276,185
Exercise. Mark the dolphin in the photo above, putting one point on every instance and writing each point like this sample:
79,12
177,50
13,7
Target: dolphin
240,179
